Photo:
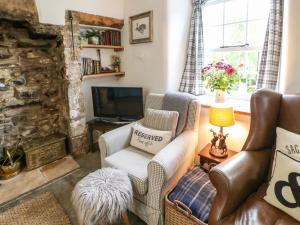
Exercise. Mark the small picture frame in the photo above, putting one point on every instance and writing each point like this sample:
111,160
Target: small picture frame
141,28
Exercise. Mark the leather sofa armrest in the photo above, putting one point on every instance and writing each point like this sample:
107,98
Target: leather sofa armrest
265,108
235,179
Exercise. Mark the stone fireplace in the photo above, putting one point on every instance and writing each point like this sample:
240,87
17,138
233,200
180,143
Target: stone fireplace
40,86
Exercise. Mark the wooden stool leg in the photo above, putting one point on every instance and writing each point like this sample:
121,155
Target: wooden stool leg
125,218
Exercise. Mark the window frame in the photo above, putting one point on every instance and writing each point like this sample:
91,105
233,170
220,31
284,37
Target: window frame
235,48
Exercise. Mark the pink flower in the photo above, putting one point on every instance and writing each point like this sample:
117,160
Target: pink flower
230,71
206,68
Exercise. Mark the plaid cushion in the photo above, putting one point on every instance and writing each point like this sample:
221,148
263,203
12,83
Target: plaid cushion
196,191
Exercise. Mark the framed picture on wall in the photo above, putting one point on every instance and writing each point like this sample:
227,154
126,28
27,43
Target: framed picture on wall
141,28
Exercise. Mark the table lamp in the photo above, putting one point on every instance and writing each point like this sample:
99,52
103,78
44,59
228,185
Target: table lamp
222,116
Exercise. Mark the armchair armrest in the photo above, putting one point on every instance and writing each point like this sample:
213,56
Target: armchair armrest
174,159
235,179
114,141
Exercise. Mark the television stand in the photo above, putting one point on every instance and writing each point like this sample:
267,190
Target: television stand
114,121
98,126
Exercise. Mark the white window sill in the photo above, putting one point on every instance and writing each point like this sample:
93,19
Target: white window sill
241,106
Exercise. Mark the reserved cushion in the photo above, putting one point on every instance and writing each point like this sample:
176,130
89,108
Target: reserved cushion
161,120
135,163
149,140
284,188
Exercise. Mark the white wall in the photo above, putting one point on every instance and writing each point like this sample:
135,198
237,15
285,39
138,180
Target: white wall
290,72
146,64
53,11
178,19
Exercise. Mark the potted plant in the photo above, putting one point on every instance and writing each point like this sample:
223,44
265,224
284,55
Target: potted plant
10,161
92,36
83,39
116,63
219,77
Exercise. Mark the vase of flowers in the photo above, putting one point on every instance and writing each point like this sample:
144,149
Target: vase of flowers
219,77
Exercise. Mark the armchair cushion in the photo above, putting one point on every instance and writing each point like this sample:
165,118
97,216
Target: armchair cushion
135,163
161,120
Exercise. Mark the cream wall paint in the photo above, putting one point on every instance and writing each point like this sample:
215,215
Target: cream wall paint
146,63
290,73
53,12
178,21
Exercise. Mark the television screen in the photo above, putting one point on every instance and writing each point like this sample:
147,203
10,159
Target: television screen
125,103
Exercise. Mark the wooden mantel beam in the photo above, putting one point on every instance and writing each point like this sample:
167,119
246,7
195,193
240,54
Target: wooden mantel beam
95,20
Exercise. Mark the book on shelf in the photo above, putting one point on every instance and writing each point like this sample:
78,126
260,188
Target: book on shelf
90,66
110,37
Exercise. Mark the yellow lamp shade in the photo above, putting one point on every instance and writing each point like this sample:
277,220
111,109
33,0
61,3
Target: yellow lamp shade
221,116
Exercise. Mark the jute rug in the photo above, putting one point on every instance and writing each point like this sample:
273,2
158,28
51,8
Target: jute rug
44,209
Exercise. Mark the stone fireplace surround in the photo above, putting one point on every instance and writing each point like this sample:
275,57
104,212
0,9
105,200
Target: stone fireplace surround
40,77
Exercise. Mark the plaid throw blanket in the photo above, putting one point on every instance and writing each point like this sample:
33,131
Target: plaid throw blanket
177,101
196,191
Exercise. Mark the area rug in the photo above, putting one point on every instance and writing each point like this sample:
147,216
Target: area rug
44,209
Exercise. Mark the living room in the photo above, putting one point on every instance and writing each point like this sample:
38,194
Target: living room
149,112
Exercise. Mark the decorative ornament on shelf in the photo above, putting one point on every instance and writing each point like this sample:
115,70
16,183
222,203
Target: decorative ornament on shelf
219,77
116,63
222,116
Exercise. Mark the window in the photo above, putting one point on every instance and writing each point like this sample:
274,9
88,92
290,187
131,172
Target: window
234,30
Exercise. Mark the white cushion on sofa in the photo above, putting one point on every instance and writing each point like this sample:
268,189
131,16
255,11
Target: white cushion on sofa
135,163
283,191
288,142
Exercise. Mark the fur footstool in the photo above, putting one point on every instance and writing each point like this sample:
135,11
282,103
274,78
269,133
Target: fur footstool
102,197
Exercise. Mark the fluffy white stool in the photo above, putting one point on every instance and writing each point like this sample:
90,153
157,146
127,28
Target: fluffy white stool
102,197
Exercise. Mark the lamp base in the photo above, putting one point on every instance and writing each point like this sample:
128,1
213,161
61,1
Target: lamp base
219,153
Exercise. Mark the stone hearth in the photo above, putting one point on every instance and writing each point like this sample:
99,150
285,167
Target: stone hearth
40,86
32,98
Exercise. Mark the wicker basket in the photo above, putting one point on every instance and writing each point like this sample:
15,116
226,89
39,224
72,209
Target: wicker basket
178,214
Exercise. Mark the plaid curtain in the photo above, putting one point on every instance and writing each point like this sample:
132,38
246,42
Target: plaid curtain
270,59
191,78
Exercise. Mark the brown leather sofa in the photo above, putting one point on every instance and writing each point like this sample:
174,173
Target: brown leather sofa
241,181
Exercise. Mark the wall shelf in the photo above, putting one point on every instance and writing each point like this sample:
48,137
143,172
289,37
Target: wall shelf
116,48
117,74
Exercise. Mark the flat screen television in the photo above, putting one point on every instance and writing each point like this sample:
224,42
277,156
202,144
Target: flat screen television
118,103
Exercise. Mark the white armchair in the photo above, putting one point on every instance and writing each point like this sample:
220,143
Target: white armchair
152,176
